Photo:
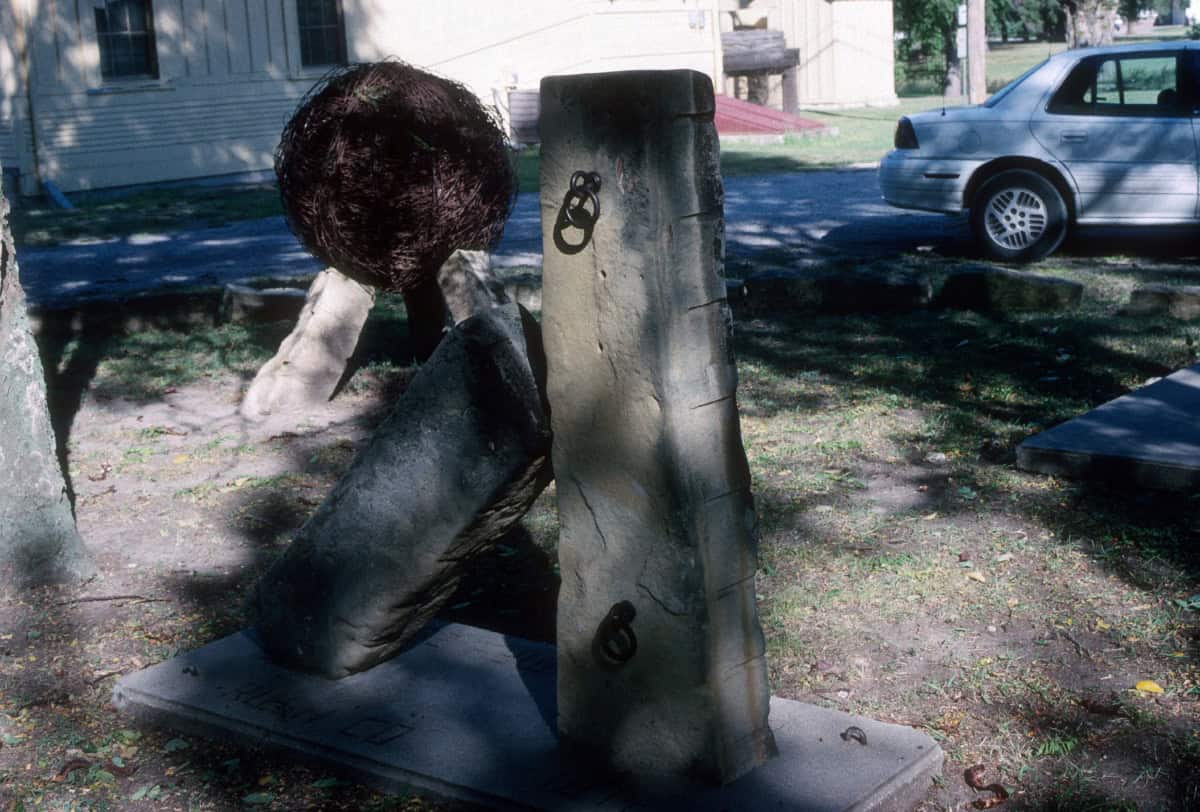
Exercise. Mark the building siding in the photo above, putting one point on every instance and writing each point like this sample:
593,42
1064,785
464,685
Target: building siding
10,90
230,73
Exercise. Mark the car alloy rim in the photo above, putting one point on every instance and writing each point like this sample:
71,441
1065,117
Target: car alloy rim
1015,218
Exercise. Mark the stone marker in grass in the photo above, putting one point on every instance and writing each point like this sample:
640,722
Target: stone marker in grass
660,653
1157,299
988,289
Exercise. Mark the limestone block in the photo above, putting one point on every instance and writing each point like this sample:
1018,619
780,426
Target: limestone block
245,305
525,290
312,359
468,284
1165,300
785,290
38,540
459,460
652,481
1001,289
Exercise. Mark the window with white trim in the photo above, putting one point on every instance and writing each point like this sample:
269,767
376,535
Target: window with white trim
322,33
125,34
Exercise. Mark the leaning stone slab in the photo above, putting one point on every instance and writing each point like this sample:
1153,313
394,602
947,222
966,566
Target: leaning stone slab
1165,300
469,714
843,291
242,304
312,359
1002,289
1149,438
38,540
661,663
468,285
457,462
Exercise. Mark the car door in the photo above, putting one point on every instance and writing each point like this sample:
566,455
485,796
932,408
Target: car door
1122,125
1192,99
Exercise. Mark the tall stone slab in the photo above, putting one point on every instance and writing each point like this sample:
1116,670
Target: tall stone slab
661,656
38,540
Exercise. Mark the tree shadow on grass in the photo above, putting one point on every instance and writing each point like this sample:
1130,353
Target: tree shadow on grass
989,381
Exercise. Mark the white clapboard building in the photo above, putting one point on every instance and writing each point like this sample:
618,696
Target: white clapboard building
103,93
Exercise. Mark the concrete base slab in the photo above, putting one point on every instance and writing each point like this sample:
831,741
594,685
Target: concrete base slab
1149,438
466,713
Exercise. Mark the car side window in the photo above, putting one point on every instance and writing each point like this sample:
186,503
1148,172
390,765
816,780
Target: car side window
1190,87
1135,85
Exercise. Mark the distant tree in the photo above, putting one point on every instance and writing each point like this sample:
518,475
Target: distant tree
1089,22
929,29
1025,19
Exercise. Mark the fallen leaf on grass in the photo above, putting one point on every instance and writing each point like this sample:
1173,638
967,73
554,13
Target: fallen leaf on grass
149,792
1004,558
175,744
71,765
1149,686
972,776
1101,708
105,469
977,576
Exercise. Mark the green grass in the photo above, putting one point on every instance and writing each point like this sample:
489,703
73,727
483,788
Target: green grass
1084,589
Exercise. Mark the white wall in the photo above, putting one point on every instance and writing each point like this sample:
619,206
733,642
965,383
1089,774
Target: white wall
846,47
230,75
10,90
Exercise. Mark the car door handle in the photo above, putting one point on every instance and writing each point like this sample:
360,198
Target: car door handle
1073,138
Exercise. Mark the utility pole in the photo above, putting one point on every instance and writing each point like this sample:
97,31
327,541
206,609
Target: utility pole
976,51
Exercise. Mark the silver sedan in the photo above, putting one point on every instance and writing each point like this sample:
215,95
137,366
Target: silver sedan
1102,136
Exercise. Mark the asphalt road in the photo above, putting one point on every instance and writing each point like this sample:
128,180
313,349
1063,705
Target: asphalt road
796,218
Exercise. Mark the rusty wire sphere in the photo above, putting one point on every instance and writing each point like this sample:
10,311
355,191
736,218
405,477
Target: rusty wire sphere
385,170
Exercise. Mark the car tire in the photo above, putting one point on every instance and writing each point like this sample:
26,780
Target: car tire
1018,216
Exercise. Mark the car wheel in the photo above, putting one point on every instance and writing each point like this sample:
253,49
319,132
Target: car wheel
1018,216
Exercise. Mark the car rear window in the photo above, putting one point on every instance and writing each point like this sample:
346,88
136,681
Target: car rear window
999,95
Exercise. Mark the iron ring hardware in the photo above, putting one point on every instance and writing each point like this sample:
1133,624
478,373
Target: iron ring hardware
584,186
580,210
615,639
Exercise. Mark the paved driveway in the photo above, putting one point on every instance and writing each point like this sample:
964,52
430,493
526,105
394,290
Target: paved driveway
803,217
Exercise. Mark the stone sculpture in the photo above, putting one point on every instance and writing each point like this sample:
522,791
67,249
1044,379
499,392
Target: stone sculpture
385,171
660,652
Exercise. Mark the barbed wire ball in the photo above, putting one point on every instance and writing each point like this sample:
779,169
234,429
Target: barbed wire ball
385,170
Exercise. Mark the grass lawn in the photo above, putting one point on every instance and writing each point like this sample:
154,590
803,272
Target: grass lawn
908,570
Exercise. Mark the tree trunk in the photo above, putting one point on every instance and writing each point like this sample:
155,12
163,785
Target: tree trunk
1089,22
952,84
38,540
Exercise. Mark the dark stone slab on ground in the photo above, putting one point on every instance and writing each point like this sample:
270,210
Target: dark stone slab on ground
988,289
837,291
1148,438
466,713
1164,300
458,461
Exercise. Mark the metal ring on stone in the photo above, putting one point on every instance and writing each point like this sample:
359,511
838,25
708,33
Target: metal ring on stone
617,640
577,213
583,189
